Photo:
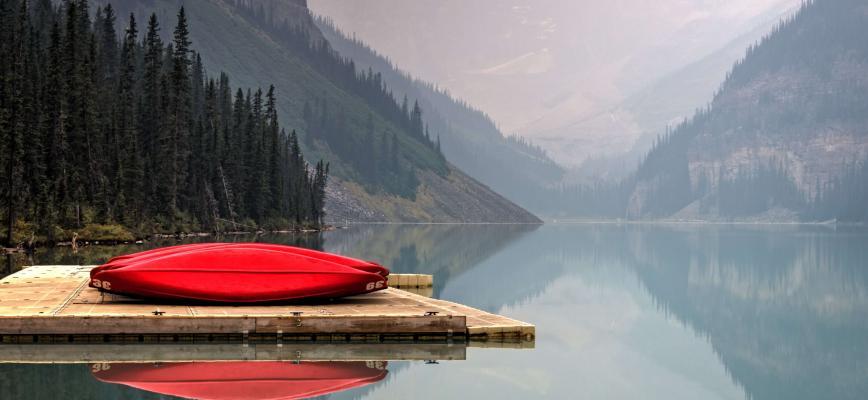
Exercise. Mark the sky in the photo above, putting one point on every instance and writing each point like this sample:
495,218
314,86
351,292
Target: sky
541,67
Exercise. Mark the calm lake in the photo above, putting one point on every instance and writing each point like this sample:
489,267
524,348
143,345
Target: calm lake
622,311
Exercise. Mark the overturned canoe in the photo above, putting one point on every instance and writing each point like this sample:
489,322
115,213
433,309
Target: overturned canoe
243,379
234,274
124,260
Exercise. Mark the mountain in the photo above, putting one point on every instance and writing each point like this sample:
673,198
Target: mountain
784,138
384,165
469,138
647,112
541,68
659,86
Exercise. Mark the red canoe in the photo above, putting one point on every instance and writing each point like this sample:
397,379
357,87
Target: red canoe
235,274
243,380
367,266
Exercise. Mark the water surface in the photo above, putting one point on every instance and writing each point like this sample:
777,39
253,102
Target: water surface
622,311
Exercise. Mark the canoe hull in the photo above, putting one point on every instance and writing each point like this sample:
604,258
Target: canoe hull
236,275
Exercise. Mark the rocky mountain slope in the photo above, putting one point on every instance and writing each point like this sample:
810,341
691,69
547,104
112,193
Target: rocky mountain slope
646,113
469,138
341,114
786,136
453,198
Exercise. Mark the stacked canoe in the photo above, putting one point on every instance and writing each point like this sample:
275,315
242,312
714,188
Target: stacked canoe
238,273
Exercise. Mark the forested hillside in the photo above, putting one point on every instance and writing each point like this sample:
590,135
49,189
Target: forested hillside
785,138
469,138
385,160
117,135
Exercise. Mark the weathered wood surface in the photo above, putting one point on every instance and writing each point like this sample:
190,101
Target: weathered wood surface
55,300
114,353
410,281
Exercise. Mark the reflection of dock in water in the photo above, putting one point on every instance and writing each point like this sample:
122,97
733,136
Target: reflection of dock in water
53,305
189,352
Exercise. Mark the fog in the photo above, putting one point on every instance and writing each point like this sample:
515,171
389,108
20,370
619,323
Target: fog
560,71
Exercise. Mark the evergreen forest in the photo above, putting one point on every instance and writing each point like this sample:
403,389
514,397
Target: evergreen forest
116,135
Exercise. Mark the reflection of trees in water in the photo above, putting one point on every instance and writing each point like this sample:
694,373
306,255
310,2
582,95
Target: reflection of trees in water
784,308
408,259
61,381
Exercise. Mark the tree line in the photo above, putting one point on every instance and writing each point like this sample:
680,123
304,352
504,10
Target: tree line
102,129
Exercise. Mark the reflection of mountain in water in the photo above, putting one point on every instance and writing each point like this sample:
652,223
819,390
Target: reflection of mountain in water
519,272
785,311
783,307
61,381
446,251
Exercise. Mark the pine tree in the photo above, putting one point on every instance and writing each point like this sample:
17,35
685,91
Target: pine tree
273,150
11,119
179,114
416,124
130,168
164,148
108,46
151,115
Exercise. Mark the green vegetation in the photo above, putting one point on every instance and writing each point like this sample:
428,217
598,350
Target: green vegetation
109,135
103,233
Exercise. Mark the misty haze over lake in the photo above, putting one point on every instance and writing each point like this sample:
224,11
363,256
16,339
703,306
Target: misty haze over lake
565,73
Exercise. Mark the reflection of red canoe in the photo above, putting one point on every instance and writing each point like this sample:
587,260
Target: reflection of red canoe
367,266
243,379
235,274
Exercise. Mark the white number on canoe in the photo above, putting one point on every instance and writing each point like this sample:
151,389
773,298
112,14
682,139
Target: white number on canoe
102,284
101,367
375,365
375,285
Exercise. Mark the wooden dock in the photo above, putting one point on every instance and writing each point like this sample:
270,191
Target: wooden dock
53,304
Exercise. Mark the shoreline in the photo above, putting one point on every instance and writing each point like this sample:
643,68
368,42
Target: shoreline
701,222
347,224
567,221
156,236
